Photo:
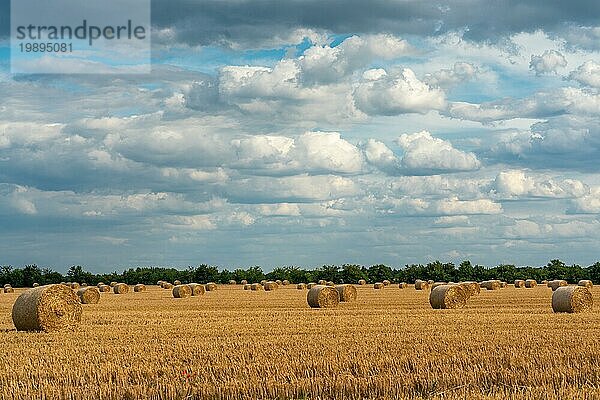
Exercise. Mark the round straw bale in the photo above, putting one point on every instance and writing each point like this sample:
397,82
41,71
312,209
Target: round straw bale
503,284
243,282
46,308
519,283
121,288
572,299
257,287
322,282
263,281
210,286
493,284
100,284
421,285
311,285
322,296
279,282
232,282
176,282
402,285
346,293
448,296
530,283
63,283
89,295
471,287
197,289
436,284
544,282
555,284
285,282
113,283
181,291
430,282
585,283
104,288
84,284
159,283
330,283
270,285
7,285
140,287
74,285
247,286
301,286
35,284
386,282
362,282
378,285
9,290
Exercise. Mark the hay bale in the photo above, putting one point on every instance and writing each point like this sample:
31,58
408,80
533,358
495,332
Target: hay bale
263,281
46,308
503,284
176,282
386,282
7,285
436,284
243,282
104,288
519,283
74,285
210,286
362,282
9,290
310,285
285,282
301,286
182,291
585,283
321,296
89,295
430,282
471,287
544,282
448,296
402,285
159,283
346,293
35,284
322,282
530,283
492,284
572,299
421,285
121,288
197,289
232,282
247,286
555,284
84,284
112,284
140,287
270,285
279,282
257,287
330,283
167,285
378,285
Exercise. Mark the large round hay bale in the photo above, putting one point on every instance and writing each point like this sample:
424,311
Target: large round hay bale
270,285
46,308
492,284
386,282
159,283
113,283
121,288
279,282
7,285
140,287
310,285
243,282
346,293
555,284
247,286
519,283
448,296
210,286
74,285
585,283
176,282
402,285
84,284
436,284
167,285
544,282
285,282
378,285
35,284
530,283
421,285
572,299
430,282
9,290
322,282
104,288
362,282
197,289
182,291
471,287
263,281
301,286
89,295
322,296
256,287
503,284
232,282
330,283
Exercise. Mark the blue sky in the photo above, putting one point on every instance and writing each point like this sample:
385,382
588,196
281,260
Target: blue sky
270,135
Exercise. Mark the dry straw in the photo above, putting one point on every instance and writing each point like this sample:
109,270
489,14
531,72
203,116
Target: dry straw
330,283
378,285
555,284
421,285
362,282
544,282
89,295
270,285
232,282
181,291
310,285
402,285
46,308
448,296
490,285
471,287
176,282
247,286
322,282
7,285
436,284
9,290
210,286
112,284
121,288
256,287
243,282
386,282
503,284
104,288
322,296
585,283
572,299
84,284
346,292
301,286
430,282
159,283
35,284
530,283
519,283
285,282
279,282
140,287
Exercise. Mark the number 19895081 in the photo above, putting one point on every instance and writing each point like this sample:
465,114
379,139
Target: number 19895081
46,47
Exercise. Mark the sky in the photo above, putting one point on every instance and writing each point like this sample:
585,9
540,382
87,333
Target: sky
314,132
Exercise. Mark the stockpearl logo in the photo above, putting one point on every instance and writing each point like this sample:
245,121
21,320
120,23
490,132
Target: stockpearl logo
69,36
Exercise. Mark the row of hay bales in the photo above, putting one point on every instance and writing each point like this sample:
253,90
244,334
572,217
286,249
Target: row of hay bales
325,296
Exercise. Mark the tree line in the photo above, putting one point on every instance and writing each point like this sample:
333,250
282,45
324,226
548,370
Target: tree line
347,273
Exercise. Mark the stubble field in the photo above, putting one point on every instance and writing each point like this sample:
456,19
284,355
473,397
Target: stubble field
232,344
